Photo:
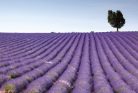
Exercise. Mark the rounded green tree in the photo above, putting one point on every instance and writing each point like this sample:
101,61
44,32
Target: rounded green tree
116,19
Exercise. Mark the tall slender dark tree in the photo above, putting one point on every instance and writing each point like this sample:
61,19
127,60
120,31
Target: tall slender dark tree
116,19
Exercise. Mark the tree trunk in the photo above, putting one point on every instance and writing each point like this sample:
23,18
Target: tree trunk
117,30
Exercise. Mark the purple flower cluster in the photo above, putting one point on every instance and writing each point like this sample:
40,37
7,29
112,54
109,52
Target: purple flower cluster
69,62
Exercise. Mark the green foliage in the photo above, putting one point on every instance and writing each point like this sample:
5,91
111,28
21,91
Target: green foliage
116,19
9,88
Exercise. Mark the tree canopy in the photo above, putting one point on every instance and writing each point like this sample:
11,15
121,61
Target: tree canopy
116,19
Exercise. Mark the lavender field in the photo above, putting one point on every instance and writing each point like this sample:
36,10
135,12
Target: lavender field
69,62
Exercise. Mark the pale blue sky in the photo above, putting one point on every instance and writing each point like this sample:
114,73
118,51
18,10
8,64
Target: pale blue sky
64,15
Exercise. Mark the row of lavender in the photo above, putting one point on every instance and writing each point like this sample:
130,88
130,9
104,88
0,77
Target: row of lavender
69,63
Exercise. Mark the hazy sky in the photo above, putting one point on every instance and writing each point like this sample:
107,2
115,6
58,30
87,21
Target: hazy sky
64,15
